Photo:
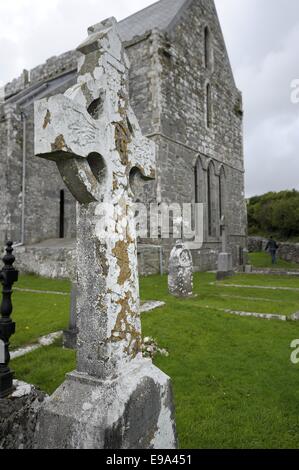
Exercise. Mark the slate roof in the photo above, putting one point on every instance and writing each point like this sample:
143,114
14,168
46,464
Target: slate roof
159,15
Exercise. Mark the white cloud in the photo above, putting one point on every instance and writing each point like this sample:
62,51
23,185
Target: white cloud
31,31
273,147
262,38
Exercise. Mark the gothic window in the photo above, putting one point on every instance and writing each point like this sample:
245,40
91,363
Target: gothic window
208,106
209,202
199,181
196,183
221,192
199,198
207,49
212,201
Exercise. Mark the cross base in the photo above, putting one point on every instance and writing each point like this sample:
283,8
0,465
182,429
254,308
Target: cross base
133,411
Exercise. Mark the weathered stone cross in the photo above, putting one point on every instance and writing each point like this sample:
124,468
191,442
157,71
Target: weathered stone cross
223,234
94,137
225,260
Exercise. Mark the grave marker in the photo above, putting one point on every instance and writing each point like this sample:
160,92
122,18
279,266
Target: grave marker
180,277
115,398
225,259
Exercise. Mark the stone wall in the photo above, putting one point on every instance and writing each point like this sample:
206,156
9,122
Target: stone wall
286,251
52,68
183,121
52,260
47,261
43,182
141,80
168,79
11,170
256,244
289,252
17,85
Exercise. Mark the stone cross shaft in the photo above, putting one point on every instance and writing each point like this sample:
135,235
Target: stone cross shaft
94,137
223,234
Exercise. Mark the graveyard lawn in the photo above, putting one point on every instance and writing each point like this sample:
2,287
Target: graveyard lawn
38,314
234,384
263,260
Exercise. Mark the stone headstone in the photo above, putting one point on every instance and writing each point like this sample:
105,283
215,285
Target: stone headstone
225,259
225,266
223,232
245,256
248,269
242,258
115,399
180,277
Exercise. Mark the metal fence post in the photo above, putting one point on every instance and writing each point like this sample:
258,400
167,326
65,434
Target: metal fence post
8,276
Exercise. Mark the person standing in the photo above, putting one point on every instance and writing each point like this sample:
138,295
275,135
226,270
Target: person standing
272,247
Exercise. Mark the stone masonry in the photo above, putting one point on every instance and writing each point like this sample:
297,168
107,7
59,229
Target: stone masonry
184,95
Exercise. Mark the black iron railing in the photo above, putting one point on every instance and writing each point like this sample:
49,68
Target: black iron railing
8,276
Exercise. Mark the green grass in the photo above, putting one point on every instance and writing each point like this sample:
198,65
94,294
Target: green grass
37,315
273,280
31,281
232,378
213,295
46,367
263,260
234,384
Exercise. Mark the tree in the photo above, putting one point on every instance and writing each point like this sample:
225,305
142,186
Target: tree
276,213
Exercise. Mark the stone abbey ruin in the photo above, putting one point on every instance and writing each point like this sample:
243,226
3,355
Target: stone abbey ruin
183,93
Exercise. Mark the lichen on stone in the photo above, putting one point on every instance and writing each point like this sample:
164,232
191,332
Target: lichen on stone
120,251
122,139
124,330
47,120
59,144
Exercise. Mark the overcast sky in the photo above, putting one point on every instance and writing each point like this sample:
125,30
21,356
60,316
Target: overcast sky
262,39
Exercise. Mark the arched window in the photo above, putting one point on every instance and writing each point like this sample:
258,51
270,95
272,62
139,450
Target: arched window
196,185
208,106
212,200
199,184
221,192
207,49
199,216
